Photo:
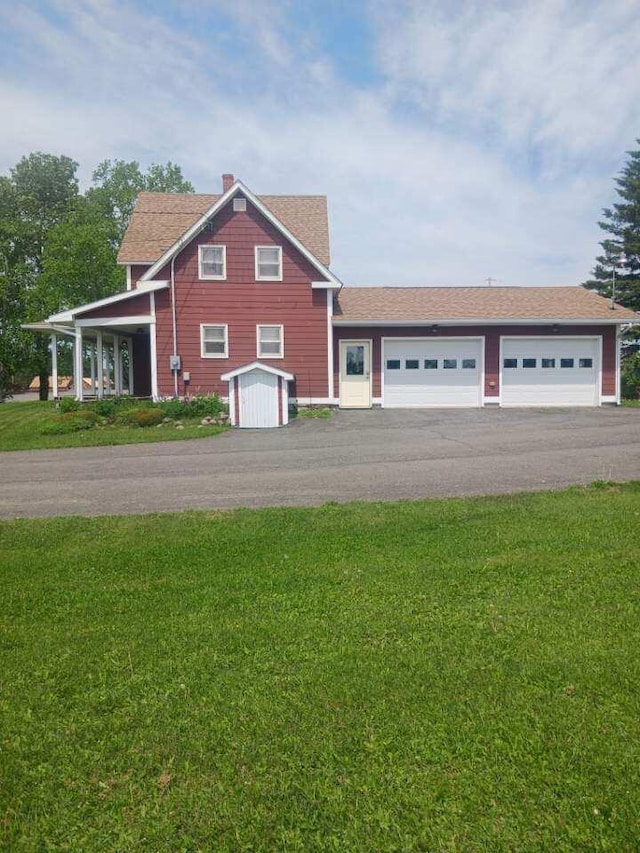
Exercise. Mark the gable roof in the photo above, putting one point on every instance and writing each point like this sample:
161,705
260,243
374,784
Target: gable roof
379,305
160,219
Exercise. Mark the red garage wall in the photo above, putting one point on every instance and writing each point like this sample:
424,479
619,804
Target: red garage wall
491,334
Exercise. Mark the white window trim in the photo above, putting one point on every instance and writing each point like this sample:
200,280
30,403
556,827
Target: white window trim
271,326
204,277
268,277
224,354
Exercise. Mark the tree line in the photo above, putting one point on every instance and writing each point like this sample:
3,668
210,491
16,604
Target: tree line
58,247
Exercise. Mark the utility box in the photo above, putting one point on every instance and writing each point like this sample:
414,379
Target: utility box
174,362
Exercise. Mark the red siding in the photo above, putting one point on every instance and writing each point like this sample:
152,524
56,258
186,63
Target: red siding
242,303
137,271
491,335
127,308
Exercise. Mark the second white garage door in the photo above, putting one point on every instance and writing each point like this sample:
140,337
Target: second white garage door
550,371
422,372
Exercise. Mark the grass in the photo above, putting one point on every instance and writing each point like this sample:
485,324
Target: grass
456,675
20,425
314,412
632,404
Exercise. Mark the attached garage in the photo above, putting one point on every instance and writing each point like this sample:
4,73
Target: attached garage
424,372
550,371
258,396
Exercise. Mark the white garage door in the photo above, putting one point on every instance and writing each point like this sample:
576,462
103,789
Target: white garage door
550,371
425,372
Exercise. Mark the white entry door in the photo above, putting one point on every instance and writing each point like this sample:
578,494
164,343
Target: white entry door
258,397
424,372
550,371
355,374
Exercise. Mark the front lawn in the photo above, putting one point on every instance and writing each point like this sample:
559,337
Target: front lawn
459,675
21,425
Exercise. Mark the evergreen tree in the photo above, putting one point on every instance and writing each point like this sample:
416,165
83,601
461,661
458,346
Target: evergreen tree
622,222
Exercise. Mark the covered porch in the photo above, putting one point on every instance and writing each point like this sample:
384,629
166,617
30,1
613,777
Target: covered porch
113,343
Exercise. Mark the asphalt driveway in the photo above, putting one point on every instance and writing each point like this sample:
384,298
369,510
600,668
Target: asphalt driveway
367,455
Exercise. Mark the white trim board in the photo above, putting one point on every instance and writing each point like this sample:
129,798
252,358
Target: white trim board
135,320
438,324
239,187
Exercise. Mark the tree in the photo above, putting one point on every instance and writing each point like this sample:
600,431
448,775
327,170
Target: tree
118,183
38,194
59,249
622,222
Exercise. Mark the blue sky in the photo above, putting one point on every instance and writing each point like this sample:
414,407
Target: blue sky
455,140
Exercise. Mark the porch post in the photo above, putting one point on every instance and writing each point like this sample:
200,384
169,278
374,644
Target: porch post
77,363
153,348
130,352
117,365
92,367
54,365
107,371
100,364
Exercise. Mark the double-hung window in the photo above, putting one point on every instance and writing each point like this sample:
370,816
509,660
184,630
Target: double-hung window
214,341
270,341
268,263
212,262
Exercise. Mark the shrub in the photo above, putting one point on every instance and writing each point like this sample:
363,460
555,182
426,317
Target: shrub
104,408
195,407
206,406
69,404
176,408
141,417
631,376
69,422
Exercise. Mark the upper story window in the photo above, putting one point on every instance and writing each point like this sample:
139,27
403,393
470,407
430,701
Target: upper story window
212,262
268,263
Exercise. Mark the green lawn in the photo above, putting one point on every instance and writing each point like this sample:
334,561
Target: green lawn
458,675
20,425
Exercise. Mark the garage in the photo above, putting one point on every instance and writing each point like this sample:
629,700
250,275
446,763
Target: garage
550,371
258,396
424,372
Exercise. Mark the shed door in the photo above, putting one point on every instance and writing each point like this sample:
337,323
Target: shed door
550,371
258,393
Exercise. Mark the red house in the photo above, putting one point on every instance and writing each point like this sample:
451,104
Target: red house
233,294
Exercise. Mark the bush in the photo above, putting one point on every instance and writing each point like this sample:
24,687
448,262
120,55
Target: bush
104,408
194,407
69,422
69,404
631,376
210,406
141,417
175,408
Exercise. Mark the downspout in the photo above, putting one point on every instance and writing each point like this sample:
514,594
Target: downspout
175,323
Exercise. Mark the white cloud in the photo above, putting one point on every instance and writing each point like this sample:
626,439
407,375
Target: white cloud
429,177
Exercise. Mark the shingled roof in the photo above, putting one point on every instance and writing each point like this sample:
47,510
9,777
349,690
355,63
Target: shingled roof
439,304
160,219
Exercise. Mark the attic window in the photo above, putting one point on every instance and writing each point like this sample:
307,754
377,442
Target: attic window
268,263
239,205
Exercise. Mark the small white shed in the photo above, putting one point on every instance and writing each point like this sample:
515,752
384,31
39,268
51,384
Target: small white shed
258,396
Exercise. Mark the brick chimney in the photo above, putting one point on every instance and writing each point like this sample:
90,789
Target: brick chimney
227,182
